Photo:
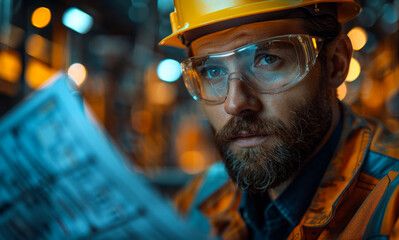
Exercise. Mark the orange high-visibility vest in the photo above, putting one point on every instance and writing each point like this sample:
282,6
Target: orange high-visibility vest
358,197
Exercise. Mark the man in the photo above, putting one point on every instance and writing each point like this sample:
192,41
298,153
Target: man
298,163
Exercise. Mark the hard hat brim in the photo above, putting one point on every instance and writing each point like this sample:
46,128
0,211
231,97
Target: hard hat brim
346,11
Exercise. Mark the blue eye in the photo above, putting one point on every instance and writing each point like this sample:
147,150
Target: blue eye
267,60
214,72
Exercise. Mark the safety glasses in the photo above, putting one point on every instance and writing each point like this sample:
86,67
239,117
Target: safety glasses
269,66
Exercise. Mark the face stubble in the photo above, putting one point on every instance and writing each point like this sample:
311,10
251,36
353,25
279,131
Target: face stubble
260,168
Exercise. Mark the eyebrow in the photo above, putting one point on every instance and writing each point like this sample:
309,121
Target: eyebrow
215,48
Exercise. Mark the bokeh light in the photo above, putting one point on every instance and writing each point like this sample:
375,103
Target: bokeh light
11,66
390,13
36,46
358,37
37,73
367,17
169,70
341,91
165,6
354,70
374,95
77,20
162,93
192,162
41,17
78,73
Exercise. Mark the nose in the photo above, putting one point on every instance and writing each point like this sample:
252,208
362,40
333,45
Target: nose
241,100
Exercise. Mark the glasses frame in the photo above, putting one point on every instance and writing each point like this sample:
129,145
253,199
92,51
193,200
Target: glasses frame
310,46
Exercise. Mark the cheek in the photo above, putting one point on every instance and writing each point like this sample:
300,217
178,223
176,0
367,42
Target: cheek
216,115
283,104
279,106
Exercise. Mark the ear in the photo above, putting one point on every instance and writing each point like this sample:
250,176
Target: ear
339,54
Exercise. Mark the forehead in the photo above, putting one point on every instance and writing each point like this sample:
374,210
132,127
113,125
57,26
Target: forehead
235,37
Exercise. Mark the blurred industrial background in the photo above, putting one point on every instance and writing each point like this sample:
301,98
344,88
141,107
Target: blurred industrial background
134,86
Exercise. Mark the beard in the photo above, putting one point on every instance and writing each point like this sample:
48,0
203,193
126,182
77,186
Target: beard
268,165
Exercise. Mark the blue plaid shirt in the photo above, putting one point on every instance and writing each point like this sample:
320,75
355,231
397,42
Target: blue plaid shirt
275,220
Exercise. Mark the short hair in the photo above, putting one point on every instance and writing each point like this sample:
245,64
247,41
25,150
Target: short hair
324,26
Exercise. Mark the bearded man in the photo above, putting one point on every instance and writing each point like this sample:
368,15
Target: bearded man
297,162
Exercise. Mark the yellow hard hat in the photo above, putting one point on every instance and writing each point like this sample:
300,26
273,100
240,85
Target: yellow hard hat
194,14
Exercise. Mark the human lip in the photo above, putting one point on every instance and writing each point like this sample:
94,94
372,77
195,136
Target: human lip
247,140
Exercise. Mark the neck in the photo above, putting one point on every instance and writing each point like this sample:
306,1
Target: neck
275,192
336,113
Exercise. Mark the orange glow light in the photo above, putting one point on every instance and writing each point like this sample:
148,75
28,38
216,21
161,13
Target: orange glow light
358,37
37,73
354,70
11,66
35,45
341,91
41,17
192,162
162,93
78,73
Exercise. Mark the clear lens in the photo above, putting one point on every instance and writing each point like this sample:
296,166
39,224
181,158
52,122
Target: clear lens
269,66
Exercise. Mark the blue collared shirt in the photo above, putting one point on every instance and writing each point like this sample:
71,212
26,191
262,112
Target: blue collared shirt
276,219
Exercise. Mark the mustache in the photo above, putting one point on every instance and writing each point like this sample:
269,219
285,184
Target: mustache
251,125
